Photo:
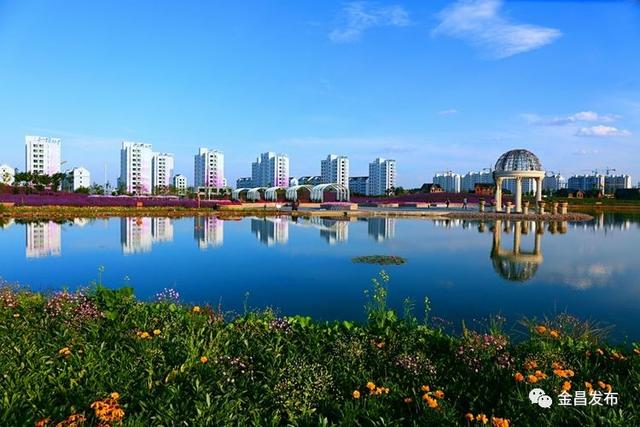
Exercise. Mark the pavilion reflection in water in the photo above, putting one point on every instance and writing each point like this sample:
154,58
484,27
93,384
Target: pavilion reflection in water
516,264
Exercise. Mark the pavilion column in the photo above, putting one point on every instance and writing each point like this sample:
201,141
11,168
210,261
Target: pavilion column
538,189
518,195
517,234
537,247
498,194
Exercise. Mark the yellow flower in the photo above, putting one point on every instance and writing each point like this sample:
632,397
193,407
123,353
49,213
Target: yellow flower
204,359
532,379
144,335
16,315
554,333
482,418
439,394
636,350
157,332
371,386
469,416
541,329
356,394
599,351
518,377
196,309
566,386
65,351
115,395
425,388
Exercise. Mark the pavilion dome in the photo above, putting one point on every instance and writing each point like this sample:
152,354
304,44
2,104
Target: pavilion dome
518,160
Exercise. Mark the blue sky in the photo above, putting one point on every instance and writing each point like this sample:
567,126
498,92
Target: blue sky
437,85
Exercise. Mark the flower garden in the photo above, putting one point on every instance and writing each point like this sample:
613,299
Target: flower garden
101,357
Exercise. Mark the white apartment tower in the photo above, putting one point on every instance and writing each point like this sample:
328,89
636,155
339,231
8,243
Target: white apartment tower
180,183
448,181
77,178
209,168
335,170
42,154
270,170
136,160
382,176
162,171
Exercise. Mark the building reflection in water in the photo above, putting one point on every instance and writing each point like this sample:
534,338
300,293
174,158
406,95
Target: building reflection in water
136,235
162,229
43,239
331,230
381,228
208,231
271,230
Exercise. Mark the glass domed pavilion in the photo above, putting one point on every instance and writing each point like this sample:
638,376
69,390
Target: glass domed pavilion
518,165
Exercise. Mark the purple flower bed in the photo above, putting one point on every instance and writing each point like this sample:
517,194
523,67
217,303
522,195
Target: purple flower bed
82,200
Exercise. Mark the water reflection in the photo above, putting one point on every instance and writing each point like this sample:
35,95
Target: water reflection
515,264
136,235
332,230
44,239
208,231
270,231
381,228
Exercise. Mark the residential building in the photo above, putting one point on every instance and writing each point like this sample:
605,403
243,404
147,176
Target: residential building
586,182
76,178
358,185
161,171
310,180
7,174
209,169
431,188
180,184
335,170
42,154
529,185
136,160
382,176
470,179
616,182
244,182
449,181
270,170
553,182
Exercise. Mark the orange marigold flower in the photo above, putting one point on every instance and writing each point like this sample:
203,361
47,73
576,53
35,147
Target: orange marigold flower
439,394
204,359
469,416
356,394
196,309
532,379
371,385
554,333
541,329
602,385
144,335
482,418
541,375
425,388
408,400
431,402
556,365
569,373
500,422
43,422
531,365
518,377
566,386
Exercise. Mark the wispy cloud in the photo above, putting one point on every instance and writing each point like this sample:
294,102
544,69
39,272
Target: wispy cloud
357,17
585,152
480,23
582,116
448,112
602,131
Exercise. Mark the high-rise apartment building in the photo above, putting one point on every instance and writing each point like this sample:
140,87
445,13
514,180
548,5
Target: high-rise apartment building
180,183
244,182
136,160
448,181
270,170
616,182
358,185
76,178
42,154
470,179
382,176
529,186
209,169
161,171
335,170
586,182
554,182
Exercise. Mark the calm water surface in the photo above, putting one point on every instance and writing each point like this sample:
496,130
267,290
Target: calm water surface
469,270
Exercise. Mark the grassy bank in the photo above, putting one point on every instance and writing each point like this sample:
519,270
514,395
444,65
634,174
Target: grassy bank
101,356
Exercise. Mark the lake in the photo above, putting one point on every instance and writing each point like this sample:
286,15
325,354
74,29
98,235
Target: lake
468,269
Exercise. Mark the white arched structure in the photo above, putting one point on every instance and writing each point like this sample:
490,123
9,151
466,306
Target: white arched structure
271,193
518,165
292,192
235,194
253,194
342,192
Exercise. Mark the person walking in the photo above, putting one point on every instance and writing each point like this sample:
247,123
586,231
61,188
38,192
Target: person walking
447,203
464,203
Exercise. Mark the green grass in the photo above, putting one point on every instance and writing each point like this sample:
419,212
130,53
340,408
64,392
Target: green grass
60,353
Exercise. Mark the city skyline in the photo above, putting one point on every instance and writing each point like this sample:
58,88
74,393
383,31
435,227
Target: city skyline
566,93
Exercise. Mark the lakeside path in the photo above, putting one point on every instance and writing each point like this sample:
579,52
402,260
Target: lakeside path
69,212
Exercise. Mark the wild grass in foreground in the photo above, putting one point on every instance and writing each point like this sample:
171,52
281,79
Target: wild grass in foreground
101,357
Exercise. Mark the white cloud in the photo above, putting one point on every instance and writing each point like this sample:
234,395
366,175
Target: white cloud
602,131
585,152
480,23
448,112
581,116
357,18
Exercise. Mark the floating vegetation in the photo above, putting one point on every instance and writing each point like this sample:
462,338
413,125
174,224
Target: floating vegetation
380,260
